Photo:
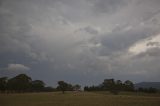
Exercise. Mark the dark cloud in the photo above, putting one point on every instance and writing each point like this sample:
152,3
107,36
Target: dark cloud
79,40
122,40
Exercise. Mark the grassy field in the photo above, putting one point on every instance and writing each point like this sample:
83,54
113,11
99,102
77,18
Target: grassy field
79,99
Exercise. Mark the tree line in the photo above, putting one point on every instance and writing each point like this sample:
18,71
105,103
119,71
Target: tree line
23,83
113,86
116,86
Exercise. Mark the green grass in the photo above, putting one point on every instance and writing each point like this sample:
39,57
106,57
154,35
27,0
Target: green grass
79,99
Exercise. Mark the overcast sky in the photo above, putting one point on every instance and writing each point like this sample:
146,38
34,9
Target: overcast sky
80,41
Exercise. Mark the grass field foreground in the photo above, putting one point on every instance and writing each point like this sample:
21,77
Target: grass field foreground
79,99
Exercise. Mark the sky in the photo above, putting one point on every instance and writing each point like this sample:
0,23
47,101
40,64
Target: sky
80,41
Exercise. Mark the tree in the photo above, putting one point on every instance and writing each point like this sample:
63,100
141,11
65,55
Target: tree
86,88
111,85
128,85
69,87
108,84
20,83
148,90
119,85
76,87
49,89
3,84
38,85
62,86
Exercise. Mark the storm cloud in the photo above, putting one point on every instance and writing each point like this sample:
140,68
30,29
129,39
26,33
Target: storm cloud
81,41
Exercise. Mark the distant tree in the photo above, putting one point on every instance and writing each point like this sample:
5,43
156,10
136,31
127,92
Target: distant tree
86,88
20,83
128,85
62,86
11,85
3,84
119,83
108,84
152,90
111,85
117,87
76,87
69,87
38,85
23,83
148,90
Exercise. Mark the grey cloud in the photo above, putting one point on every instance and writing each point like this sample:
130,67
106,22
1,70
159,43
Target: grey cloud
153,44
153,52
13,69
17,67
41,35
122,40
90,30
144,65
109,6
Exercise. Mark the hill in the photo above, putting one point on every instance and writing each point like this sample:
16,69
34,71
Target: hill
148,85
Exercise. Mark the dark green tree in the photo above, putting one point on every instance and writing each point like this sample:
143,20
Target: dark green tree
108,84
86,88
119,85
62,86
3,84
76,87
38,85
111,85
20,83
128,85
69,87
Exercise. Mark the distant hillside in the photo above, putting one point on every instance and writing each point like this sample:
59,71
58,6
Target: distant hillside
148,85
